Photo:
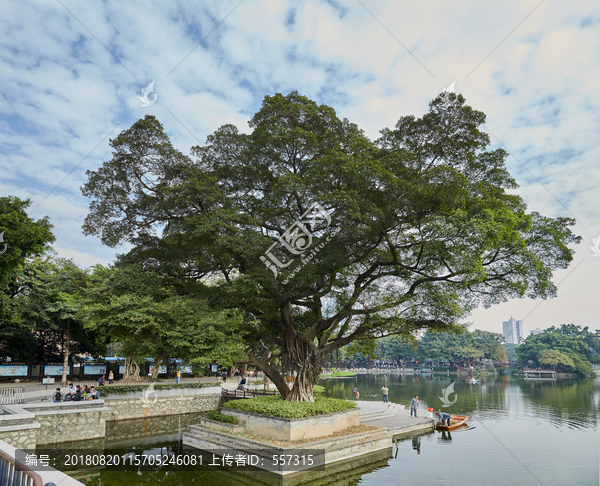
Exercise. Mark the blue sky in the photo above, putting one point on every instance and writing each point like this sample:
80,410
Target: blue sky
71,74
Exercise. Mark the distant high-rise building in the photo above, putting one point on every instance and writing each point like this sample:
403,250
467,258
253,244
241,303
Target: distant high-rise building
537,330
512,331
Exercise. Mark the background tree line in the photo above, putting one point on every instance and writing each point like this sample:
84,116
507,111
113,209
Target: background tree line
51,310
568,348
447,347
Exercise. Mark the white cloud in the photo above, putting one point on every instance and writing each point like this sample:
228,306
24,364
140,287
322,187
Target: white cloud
63,93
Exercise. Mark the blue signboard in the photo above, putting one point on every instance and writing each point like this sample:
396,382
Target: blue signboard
13,370
121,369
94,369
186,369
55,370
161,370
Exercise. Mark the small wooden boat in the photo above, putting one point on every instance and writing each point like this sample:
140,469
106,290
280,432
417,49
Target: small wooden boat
455,422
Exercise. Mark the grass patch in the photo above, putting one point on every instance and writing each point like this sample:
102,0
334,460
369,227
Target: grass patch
338,374
218,416
274,406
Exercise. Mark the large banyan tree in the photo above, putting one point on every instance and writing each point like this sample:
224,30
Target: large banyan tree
322,237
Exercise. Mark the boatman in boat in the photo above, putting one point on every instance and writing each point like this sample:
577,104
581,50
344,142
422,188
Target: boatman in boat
444,418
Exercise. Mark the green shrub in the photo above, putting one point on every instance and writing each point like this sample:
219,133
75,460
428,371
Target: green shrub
318,389
143,386
274,406
217,415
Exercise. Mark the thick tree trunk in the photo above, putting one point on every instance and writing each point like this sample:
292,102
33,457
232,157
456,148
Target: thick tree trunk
66,351
156,367
132,370
302,391
301,354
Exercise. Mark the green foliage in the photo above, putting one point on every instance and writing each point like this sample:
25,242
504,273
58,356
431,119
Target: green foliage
510,350
124,389
550,348
556,358
275,406
220,417
148,316
46,305
336,374
23,236
444,346
427,226
592,339
23,239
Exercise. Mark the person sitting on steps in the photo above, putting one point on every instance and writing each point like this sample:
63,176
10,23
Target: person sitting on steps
70,392
76,397
93,394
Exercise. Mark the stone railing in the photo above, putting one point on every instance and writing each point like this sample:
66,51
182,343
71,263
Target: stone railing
14,473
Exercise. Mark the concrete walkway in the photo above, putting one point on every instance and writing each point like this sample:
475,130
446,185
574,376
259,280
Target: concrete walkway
394,417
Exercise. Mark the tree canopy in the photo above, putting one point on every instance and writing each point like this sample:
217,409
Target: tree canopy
321,237
21,239
150,318
565,349
43,307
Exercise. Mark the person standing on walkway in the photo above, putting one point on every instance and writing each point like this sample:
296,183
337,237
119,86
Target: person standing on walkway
111,377
178,376
414,405
385,390
224,376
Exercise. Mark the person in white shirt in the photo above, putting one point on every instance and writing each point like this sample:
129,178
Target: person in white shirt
384,391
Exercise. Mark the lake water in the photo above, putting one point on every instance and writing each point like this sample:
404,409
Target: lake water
521,432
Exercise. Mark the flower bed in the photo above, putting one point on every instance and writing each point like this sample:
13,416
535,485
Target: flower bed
292,421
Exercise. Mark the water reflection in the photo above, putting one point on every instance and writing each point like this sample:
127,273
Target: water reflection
416,444
445,435
520,432
568,402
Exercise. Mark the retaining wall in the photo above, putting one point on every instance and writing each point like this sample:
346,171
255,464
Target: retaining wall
296,429
131,408
43,423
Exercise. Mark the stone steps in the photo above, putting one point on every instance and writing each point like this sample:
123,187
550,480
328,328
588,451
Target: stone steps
372,412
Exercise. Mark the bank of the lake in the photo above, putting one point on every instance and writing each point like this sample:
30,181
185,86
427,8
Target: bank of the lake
522,432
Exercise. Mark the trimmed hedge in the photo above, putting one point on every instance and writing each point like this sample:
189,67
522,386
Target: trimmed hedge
217,415
274,406
124,389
